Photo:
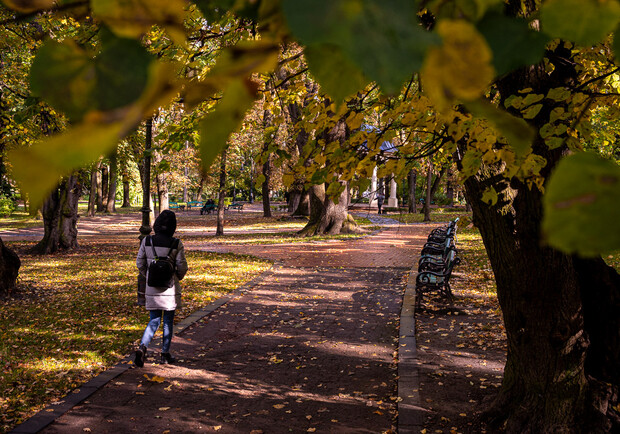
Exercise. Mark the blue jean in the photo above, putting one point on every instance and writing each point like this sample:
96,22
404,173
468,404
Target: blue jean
153,325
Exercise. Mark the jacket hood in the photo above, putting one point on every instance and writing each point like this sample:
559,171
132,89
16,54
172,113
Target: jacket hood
165,223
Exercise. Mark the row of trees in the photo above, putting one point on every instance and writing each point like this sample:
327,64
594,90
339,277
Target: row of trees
511,92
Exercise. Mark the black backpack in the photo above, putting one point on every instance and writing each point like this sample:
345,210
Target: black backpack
161,269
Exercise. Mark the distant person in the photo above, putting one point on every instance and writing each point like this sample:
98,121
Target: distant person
161,301
380,200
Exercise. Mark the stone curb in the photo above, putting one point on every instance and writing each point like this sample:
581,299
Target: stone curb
46,416
410,412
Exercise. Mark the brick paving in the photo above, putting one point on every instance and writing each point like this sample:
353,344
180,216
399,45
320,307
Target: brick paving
311,347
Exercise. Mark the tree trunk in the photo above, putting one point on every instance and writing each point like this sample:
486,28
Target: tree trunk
450,188
436,182
126,194
100,207
105,178
201,186
413,175
60,217
92,197
112,175
252,182
303,207
427,201
561,312
9,268
265,187
222,195
9,261
161,180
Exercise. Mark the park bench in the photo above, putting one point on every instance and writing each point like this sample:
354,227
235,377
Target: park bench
235,205
207,208
176,205
194,203
438,258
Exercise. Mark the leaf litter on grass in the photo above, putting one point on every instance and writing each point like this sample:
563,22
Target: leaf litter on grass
74,315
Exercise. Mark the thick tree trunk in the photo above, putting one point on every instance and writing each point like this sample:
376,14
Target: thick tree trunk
222,195
562,313
112,174
303,207
413,175
9,268
328,217
60,217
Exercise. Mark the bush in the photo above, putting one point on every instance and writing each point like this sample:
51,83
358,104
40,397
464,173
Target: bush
7,206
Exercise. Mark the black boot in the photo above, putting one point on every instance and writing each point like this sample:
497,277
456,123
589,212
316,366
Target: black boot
140,356
166,358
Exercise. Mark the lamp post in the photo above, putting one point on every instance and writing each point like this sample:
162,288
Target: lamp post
145,229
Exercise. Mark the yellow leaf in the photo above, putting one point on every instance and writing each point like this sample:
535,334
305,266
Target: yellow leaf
155,378
460,68
217,427
164,408
278,406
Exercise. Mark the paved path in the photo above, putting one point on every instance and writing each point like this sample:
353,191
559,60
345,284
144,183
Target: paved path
311,347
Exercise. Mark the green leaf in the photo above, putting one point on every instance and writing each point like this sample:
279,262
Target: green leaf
217,127
581,212
338,76
512,41
532,111
582,21
516,131
72,81
39,167
383,39
489,196
61,74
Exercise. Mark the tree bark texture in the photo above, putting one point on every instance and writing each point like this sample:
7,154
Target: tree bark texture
427,201
326,216
100,206
561,312
60,215
112,175
222,195
413,175
126,198
92,197
105,185
162,192
9,268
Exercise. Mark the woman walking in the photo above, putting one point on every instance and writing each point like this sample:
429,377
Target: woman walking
161,301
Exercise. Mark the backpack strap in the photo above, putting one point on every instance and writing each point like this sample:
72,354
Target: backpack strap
175,243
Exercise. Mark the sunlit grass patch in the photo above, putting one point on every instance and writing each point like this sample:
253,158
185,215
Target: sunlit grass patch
75,314
19,220
438,215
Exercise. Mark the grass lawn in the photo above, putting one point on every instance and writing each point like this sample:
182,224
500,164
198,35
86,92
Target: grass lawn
75,315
